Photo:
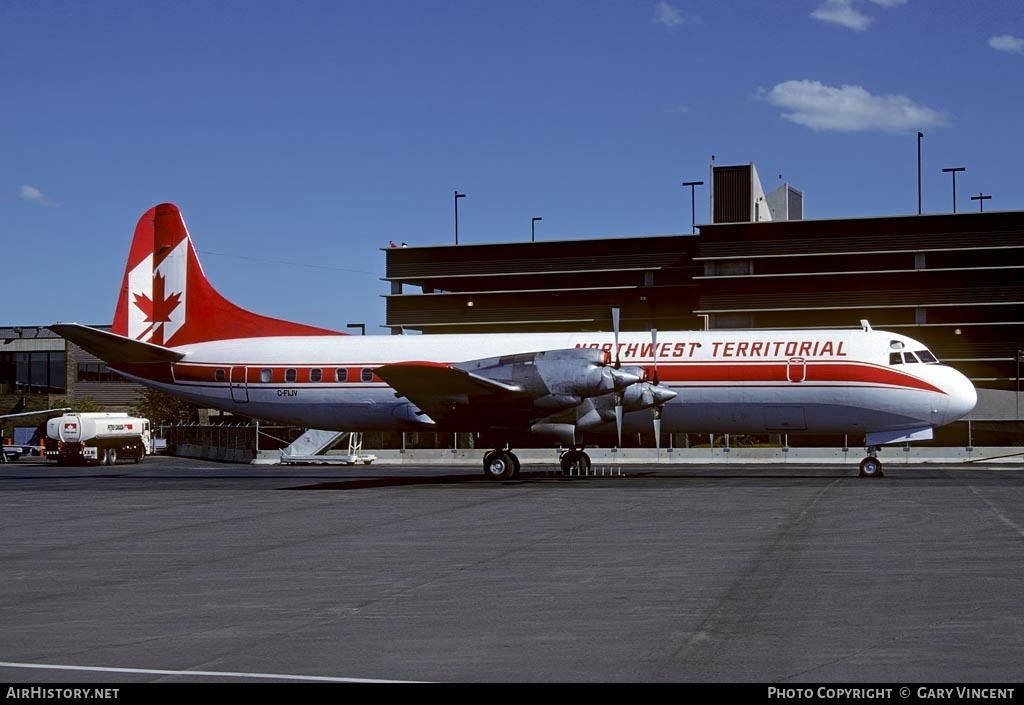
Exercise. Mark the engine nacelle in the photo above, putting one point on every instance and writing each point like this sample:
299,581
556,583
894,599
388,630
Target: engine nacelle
635,398
555,379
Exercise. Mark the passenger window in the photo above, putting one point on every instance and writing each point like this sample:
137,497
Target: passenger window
366,375
316,374
219,376
341,375
895,359
926,356
290,375
910,357
266,375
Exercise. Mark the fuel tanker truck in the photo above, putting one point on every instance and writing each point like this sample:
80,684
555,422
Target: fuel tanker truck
97,437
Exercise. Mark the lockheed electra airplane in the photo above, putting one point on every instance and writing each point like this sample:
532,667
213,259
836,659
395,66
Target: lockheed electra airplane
173,331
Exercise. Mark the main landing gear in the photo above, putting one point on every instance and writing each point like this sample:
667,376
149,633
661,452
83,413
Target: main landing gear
501,464
871,466
574,462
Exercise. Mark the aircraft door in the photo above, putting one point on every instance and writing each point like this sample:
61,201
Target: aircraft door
239,385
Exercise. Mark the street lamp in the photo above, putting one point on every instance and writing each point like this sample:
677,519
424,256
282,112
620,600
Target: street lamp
457,197
693,216
533,232
953,170
919,136
981,198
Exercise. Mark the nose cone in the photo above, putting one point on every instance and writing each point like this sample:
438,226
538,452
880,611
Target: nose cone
961,395
621,378
663,395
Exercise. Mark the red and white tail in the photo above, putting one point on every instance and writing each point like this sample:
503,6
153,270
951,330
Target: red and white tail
166,299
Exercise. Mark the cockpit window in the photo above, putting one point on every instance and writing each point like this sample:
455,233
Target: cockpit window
910,358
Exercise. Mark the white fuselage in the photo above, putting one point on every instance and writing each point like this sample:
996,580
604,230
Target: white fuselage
835,381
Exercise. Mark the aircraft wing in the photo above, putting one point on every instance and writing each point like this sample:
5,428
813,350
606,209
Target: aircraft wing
511,391
453,396
115,350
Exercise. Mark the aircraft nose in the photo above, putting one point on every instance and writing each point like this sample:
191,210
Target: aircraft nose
962,396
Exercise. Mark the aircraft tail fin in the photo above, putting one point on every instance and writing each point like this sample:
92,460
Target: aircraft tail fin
166,299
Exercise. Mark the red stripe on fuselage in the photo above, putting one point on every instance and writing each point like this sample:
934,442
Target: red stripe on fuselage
681,373
830,372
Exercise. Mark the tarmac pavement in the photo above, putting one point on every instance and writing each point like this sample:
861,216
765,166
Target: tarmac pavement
188,570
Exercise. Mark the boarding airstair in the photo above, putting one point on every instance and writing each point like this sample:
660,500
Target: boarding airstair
314,445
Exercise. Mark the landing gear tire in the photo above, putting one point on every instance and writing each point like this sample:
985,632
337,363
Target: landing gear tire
574,462
871,467
500,465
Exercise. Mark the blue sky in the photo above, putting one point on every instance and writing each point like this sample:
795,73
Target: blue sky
310,134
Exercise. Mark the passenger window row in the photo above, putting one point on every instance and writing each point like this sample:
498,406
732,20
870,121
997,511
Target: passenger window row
316,375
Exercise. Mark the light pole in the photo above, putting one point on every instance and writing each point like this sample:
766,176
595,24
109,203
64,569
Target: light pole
693,217
981,198
919,136
533,232
457,197
953,170
1020,357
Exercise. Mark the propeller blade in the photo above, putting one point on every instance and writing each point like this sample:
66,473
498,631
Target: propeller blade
618,418
615,330
657,427
654,353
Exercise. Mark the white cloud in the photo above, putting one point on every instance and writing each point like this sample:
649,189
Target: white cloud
843,13
668,15
851,108
31,193
1007,42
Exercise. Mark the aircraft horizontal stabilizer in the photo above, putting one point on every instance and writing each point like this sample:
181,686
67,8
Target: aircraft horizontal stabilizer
115,350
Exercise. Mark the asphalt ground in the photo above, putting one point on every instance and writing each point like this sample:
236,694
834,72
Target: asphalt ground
183,570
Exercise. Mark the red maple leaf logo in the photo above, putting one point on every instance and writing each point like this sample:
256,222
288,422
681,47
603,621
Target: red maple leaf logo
159,308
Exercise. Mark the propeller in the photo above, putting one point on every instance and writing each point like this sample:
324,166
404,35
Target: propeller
618,364
615,331
654,353
618,416
657,427
656,409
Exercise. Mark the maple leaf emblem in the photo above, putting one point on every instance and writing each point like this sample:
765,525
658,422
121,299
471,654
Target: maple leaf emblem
158,309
